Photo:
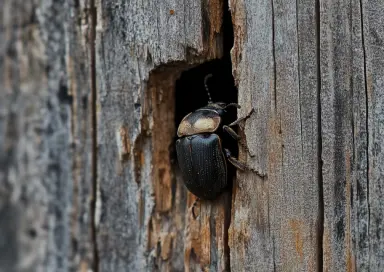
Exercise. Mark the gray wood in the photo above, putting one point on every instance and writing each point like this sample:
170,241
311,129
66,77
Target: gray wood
337,69
346,139
141,49
275,220
35,155
44,164
87,108
371,234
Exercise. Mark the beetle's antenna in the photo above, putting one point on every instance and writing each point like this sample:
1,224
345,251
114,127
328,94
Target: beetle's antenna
206,87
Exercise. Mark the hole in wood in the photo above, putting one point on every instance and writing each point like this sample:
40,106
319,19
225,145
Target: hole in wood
191,95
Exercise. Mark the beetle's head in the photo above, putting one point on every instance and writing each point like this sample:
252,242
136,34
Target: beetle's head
217,105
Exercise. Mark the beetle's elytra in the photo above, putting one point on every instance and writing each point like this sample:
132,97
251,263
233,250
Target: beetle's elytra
200,153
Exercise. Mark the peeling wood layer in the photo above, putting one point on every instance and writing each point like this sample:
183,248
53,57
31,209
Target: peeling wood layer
206,237
87,109
143,199
238,13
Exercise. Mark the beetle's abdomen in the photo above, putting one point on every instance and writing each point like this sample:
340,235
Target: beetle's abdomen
202,164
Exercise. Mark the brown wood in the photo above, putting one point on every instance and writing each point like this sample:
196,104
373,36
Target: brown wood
88,176
141,50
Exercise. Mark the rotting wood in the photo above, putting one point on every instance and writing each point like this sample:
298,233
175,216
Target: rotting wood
78,62
142,48
311,69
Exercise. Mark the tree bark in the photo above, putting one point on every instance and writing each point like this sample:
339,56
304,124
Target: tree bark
88,175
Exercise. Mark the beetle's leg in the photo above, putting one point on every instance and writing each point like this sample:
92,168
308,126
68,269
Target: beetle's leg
240,165
231,132
235,136
241,119
230,105
193,207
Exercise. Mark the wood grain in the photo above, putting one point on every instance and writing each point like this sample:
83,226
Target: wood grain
336,102
275,220
370,235
78,69
344,137
45,181
35,138
141,50
88,180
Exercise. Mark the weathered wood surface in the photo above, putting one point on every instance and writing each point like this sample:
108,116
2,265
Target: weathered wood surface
352,136
87,107
144,223
276,220
368,221
344,135
45,172
314,71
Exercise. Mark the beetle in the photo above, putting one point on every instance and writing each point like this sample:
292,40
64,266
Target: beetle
200,152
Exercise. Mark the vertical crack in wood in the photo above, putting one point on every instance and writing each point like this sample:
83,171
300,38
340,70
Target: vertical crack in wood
275,110
92,39
274,55
298,75
227,224
213,239
273,252
366,109
228,43
319,143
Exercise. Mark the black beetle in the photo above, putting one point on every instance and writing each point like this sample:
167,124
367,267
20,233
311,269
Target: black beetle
201,156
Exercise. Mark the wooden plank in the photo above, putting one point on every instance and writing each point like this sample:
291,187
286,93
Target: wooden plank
275,220
373,235
344,136
250,243
141,48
